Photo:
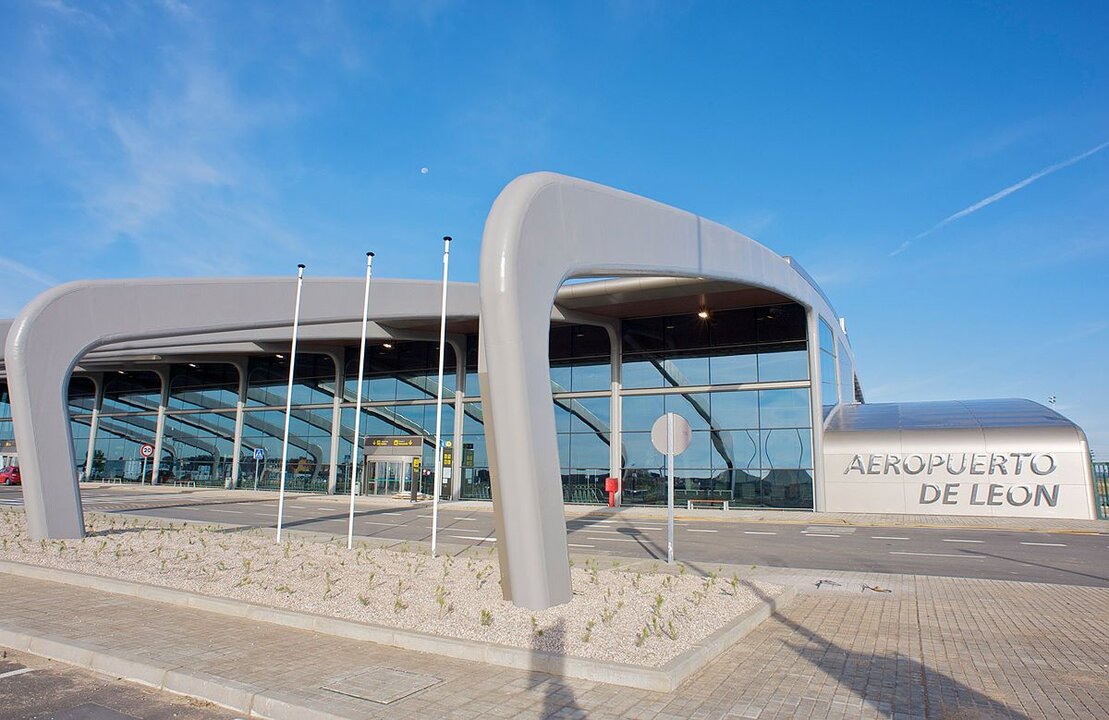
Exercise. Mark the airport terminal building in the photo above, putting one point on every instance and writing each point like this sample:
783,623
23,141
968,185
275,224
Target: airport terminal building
596,312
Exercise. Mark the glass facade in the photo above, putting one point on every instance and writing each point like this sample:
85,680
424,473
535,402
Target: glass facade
739,376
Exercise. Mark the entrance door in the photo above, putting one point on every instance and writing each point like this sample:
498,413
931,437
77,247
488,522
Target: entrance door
387,475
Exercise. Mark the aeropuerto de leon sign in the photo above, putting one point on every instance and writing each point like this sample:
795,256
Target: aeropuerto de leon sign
994,465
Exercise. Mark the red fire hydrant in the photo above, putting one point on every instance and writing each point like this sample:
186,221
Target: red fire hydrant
612,486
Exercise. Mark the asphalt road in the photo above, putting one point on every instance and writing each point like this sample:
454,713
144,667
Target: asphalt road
32,687
1065,557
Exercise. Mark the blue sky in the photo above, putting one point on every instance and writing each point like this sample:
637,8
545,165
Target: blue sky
940,169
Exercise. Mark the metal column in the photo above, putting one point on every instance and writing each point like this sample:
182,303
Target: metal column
94,424
159,429
243,366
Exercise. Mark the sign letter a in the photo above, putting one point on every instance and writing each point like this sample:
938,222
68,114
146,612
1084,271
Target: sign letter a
856,464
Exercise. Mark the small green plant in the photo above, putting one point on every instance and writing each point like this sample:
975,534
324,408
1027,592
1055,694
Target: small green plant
535,627
398,599
734,582
329,586
284,589
486,618
363,599
588,630
641,636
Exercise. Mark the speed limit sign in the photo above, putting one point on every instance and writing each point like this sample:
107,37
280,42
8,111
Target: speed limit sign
146,450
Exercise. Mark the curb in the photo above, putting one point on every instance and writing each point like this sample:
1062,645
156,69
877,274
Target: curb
250,700
661,679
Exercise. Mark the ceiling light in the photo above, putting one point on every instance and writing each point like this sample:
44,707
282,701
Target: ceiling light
387,345
703,314
121,372
192,365
280,356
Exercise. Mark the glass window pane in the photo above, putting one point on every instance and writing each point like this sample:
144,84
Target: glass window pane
639,412
784,408
782,366
732,410
741,367
787,448
589,414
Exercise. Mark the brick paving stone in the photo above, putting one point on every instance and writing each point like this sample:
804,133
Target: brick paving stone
934,648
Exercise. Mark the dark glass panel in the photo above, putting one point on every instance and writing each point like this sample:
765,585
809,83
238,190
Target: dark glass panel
734,327
781,323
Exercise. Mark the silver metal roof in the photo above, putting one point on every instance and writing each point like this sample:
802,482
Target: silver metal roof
945,415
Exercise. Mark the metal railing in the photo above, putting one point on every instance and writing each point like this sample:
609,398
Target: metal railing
1101,485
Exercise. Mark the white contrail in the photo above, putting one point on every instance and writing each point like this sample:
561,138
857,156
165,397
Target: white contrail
27,272
999,195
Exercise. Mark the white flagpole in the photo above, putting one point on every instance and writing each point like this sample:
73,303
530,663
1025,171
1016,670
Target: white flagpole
439,400
289,403
358,397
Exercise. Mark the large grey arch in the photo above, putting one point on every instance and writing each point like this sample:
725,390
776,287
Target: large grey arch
57,328
544,229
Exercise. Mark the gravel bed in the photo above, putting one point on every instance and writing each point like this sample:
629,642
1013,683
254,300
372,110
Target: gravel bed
640,618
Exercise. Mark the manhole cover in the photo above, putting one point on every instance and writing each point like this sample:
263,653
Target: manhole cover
381,684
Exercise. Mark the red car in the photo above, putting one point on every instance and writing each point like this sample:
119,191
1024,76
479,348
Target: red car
10,476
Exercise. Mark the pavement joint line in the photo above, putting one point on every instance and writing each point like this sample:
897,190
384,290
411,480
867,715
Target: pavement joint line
13,673
665,678
943,555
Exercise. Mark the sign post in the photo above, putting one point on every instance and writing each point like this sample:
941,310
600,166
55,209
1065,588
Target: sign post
147,450
289,402
358,398
259,455
439,399
671,435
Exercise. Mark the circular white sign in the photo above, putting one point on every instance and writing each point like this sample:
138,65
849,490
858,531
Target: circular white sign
146,451
682,434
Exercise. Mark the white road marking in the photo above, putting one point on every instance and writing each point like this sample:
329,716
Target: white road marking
1045,544
613,539
580,545
390,513
965,557
758,532
474,537
606,532
695,530
387,524
467,518
13,673
820,535
237,512
887,537
957,540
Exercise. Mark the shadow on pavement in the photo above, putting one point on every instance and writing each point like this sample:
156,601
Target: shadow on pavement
1056,568
894,684
558,698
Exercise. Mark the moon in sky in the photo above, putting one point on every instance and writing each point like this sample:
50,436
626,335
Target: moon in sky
423,171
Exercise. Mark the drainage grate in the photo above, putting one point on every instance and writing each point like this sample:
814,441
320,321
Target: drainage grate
381,684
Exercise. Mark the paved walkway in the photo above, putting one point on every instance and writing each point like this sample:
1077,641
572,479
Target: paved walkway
931,648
